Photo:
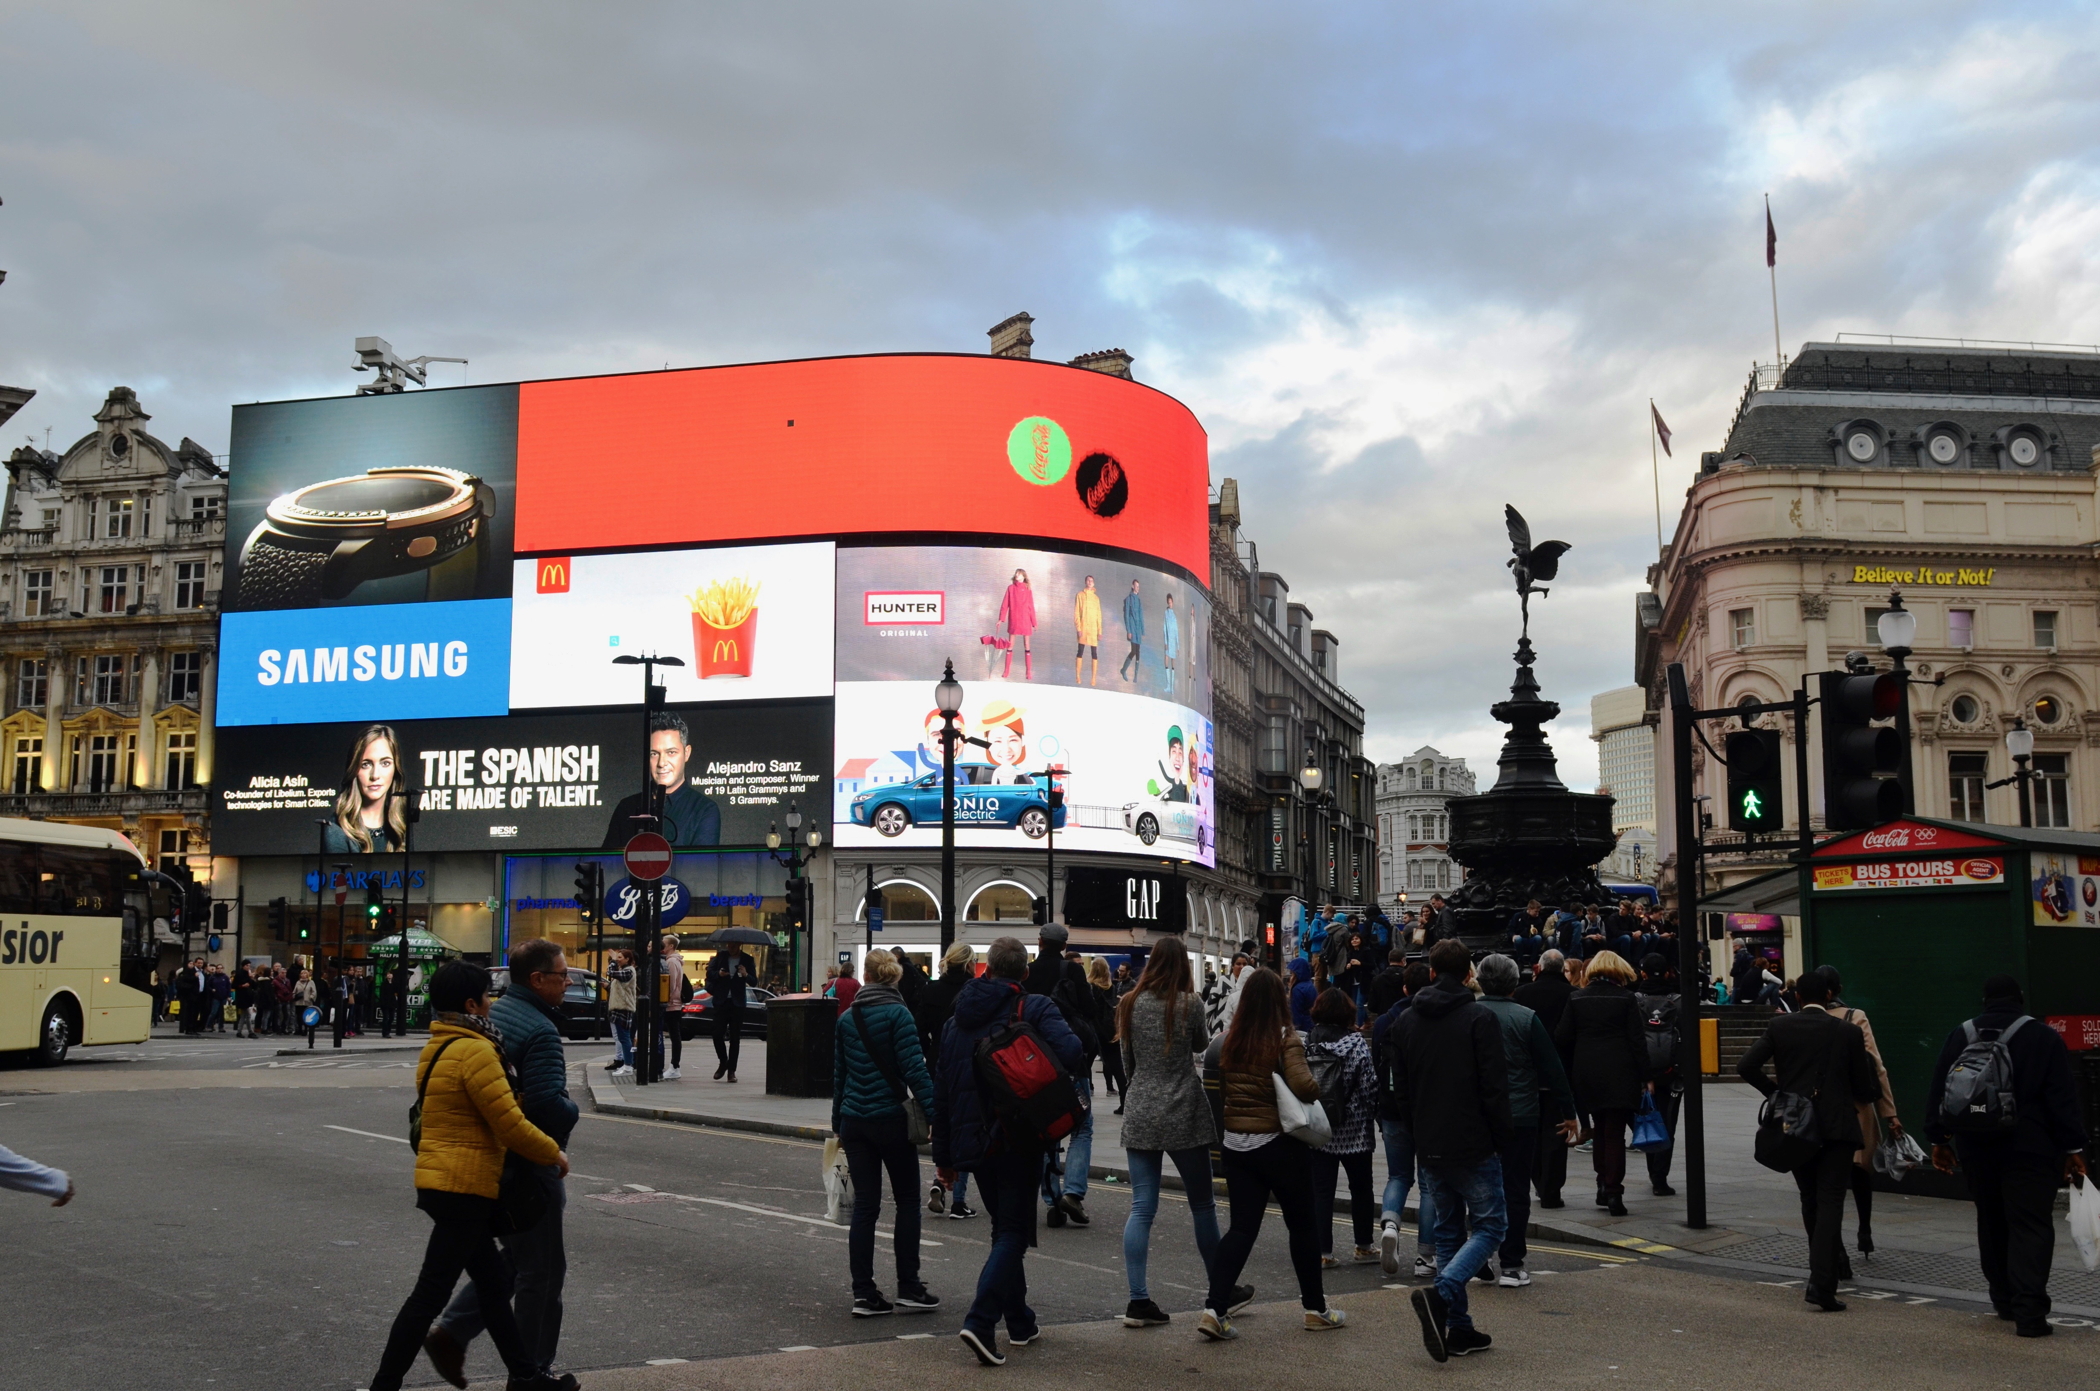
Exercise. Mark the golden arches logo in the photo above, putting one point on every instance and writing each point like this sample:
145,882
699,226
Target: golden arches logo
725,651
554,575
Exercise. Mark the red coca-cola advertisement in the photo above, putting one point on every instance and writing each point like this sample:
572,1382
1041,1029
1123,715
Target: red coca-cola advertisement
1901,837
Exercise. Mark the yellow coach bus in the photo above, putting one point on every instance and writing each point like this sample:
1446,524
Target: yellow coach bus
69,895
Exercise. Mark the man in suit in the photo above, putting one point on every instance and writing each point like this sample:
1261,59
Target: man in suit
1821,1056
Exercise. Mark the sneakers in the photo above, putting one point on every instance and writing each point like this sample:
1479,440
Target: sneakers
1075,1210
1461,1341
1425,1268
986,1346
960,1212
918,1301
621,1070
872,1307
1216,1327
1514,1277
1143,1313
1486,1275
447,1358
937,1201
670,1074
613,1064
1321,1320
1330,1262
1389,1249
1242,1296
1430,1311
1022,1340
1364,1255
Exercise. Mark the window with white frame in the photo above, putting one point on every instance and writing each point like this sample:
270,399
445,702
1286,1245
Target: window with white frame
1742,626
39,593
189,584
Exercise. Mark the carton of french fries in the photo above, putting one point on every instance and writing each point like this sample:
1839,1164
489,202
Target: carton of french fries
725,627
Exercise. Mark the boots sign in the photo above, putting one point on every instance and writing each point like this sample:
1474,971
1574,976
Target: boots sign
1148,899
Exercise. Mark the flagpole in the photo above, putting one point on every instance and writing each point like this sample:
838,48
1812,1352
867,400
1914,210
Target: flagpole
1772,267
1655,473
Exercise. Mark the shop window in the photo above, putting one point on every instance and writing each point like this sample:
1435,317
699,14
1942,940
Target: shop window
904,901
2052,790
1965,777
1002,903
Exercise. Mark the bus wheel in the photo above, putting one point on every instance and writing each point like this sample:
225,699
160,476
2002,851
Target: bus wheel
55,1037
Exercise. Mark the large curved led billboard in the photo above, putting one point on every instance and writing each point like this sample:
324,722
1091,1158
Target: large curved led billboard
812,540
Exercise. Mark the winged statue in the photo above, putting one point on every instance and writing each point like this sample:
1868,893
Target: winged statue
1531,563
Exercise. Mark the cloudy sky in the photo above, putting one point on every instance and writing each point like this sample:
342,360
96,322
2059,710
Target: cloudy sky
1406,262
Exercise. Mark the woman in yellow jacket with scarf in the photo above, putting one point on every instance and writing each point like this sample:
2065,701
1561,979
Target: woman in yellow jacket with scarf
470,1119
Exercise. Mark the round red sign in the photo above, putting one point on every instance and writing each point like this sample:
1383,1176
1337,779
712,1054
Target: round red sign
647,857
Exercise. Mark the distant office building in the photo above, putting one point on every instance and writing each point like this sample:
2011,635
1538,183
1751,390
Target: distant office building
1624,729
1414,829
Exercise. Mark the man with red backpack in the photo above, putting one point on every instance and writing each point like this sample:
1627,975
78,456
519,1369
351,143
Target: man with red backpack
1003,1095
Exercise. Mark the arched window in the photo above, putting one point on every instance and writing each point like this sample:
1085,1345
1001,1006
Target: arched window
902,902
1004,902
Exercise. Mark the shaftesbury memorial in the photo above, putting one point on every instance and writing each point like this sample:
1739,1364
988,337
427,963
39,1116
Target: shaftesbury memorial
1528,836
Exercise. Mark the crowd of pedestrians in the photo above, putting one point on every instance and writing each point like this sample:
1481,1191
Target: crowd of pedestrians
257,998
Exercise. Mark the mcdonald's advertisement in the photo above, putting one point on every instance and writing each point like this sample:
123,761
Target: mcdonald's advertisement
747,622
521,782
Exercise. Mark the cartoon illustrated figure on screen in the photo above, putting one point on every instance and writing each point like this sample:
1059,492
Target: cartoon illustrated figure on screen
1017,616
370,816
928,753
1170,639
1133,633
1086,617
1006,733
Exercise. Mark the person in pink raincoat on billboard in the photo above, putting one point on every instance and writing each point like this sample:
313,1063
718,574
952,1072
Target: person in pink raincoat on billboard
1017,616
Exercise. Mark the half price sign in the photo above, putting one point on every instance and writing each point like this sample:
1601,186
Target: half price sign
1949,873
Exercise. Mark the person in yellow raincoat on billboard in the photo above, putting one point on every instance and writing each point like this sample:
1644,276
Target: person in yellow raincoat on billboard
1086,617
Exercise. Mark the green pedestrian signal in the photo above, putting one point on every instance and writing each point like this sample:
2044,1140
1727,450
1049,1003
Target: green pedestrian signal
1755,798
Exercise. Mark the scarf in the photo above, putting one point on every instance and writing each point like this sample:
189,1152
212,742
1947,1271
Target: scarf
480,1025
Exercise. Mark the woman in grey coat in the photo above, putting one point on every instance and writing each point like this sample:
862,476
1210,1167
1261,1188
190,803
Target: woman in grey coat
1165,1112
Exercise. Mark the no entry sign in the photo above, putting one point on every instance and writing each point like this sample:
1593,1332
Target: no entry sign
647,857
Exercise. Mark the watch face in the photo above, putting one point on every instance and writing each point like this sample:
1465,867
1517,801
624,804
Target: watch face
350,497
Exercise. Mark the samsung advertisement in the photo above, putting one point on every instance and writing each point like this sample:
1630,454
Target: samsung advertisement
431,594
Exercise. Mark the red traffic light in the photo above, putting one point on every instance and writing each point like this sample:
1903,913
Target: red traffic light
1871,697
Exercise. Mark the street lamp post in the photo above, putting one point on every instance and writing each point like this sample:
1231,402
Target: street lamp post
1898,630
1309,777
801,895
948,699
2019,742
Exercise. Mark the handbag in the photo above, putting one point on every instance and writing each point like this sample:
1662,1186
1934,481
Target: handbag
1304,1121
1649,1132
1788,1133
1897,1155
415,1112
916,1127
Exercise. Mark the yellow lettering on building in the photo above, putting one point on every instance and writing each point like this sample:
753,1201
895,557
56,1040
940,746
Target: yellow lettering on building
1922,575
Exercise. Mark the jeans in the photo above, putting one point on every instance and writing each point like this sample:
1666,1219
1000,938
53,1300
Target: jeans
1327,1171
1462,1192
1822,1182
1669,1099
1145,1165
874,1144
1517,1156
1079,1150
459,1240
1282,1167
623,1039
1399,1177
729,1035
1006,1186
539,1266
2015,1233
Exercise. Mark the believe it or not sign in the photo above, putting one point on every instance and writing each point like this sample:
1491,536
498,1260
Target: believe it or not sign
1151,899
1971,872
1921,575
2065,890
2081,1032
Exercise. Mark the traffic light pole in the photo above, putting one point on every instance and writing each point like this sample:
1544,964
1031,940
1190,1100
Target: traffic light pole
1691,941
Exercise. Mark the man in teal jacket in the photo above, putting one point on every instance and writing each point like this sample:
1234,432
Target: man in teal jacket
1133,632
529,1019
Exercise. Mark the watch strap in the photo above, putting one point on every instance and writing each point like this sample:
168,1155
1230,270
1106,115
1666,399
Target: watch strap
279,577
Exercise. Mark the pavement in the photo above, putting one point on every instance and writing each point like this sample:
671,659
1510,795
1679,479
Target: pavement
1922,1244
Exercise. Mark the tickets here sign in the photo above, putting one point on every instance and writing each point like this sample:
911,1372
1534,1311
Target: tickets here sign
1954,872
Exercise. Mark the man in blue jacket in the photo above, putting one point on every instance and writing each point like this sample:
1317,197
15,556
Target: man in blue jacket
1133,633
1008,1168
527,1014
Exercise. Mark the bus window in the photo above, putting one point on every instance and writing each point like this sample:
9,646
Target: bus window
78,879
18,877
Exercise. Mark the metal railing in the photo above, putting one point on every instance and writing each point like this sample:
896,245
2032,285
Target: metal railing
1942,342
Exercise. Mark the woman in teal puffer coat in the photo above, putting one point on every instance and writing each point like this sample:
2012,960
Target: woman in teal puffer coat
877,1040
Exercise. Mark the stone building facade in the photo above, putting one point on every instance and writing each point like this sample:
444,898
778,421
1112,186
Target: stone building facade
1414,829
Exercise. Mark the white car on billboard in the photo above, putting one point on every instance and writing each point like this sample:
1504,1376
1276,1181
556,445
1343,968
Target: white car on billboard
1154,819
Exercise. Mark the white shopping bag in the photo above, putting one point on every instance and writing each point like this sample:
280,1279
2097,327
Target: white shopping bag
2085,1220
838,1184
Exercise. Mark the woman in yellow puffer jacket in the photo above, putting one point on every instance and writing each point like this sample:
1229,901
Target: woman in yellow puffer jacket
470,1119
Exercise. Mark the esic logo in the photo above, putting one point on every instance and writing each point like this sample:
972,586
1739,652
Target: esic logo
553,574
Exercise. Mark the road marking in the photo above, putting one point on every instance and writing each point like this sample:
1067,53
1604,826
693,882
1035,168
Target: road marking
908,1337
719,1132
801,1347
368,1134
1605,1257
792,1217
1644,1246
670,1361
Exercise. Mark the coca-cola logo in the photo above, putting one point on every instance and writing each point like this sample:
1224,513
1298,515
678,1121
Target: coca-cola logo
1899,838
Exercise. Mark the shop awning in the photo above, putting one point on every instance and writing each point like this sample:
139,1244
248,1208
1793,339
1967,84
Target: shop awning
420,943
1778,893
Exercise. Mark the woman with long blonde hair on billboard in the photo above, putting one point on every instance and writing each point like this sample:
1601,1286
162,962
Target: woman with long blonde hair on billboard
369,813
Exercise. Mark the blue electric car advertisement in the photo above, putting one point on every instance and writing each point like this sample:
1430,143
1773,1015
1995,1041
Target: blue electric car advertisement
385,662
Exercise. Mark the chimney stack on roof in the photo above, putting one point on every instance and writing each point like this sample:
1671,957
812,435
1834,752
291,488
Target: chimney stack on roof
1011,338
1114,361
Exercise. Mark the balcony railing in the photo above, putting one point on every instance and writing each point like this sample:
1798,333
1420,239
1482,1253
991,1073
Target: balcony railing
124,805
29,540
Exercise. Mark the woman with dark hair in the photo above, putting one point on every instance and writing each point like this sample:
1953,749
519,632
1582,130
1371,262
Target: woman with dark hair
1600,1034
1259,1052
1351,1098
370,816
1161,1031
469,1119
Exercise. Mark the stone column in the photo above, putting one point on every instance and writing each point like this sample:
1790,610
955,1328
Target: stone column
149,773
1815,657
207,711
56,677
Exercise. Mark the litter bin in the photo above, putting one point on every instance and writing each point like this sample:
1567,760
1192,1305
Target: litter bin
798,1045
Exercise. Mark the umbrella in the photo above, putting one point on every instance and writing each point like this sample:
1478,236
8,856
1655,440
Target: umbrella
742,934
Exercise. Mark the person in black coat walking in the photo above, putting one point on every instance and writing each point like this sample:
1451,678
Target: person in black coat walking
2013,1177
1600,1036
1818,1055
935,1008
1547,997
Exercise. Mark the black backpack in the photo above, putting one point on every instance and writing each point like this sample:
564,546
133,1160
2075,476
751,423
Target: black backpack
1659,1033
1978,1098
1328,1069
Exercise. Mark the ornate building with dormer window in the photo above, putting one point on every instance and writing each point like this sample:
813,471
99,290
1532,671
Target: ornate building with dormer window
110,553
1414,829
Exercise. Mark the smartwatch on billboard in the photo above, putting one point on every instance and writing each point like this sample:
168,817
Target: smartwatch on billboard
322,541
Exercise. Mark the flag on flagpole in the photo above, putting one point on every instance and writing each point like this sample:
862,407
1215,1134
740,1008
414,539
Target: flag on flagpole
1662,431
1771,236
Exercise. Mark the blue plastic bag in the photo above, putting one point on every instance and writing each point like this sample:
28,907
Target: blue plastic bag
1649,1132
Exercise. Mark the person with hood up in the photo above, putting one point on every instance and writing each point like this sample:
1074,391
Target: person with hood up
1017,615
1008,1168
1303,992
1086,618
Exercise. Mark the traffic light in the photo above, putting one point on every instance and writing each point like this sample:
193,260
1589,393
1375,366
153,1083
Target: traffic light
196,906
1755,800
589,893
1860,756
375,902
797,902
279,912
1041,905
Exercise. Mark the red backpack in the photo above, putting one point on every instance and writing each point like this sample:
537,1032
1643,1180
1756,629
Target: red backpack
1025,1082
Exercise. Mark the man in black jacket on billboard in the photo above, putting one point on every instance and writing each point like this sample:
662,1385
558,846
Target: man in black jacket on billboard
2013,1177
1819,1055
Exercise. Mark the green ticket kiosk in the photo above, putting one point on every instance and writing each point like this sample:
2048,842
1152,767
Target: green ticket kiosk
1916,914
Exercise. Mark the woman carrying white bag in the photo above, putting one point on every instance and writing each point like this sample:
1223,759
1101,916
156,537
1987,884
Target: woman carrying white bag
1272,1122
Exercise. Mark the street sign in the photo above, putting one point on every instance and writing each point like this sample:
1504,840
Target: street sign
647,857
342,888
874,919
